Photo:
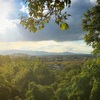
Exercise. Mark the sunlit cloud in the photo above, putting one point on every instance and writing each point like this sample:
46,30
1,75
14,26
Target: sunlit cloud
48,46
6,8
93,1
50,39
8,24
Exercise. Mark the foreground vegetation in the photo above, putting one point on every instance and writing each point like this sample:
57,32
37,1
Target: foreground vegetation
23,78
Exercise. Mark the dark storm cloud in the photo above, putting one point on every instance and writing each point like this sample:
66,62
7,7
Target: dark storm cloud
52,31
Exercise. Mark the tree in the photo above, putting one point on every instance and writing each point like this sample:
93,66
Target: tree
91,23
39,92
41,11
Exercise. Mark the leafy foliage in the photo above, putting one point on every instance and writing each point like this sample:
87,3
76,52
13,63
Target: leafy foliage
41,11
91,23
25,78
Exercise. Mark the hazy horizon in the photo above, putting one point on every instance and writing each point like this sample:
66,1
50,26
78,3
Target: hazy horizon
51,38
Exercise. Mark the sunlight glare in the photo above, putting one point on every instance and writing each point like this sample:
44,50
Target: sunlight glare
6,8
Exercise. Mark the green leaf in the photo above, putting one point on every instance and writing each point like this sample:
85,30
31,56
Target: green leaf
23,22
35,29
30,13
57,22
40,27
38,16
69,2
39,7
64,26
45,21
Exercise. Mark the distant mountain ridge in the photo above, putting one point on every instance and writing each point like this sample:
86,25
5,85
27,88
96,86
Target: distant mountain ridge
34,53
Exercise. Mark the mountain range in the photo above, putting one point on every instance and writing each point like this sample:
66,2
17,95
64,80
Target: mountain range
33,53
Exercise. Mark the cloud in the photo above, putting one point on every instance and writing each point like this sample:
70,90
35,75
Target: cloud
48,46
52,31
24,8
93,1
11,30
8,22
51,38
6,9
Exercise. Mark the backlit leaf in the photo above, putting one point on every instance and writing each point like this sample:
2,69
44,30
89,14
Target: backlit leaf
64,26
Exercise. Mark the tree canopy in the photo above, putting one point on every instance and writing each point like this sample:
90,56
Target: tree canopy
41,11
91,23
29,78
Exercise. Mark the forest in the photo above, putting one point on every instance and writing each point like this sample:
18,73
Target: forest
23,78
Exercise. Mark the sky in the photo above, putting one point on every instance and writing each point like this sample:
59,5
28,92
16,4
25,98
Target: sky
51,38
